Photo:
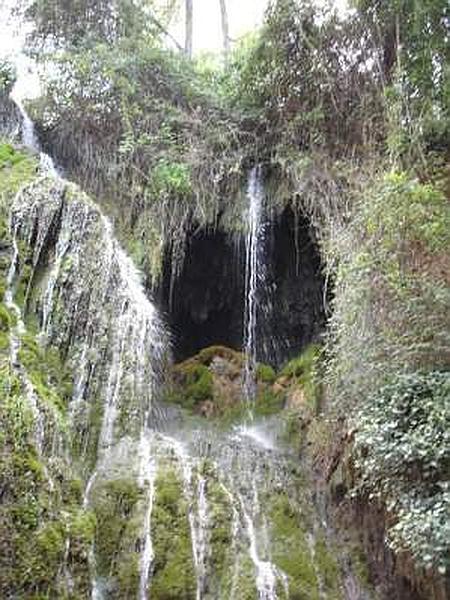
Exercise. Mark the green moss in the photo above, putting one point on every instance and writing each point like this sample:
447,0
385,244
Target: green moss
4,341
302,370
221,518
51,380
197,385
173,569
197,380
16,169
113,503
73,491
17,418
128,575
328,569
268,403
82,526
85,447
359,565
118,506
206,355
291,552
265,374
5,318
50,543
243,586
28,465
36,518
294,429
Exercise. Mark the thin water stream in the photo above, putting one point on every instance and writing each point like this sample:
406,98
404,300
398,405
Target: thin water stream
255,277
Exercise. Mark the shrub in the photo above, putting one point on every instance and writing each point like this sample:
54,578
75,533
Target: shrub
303,369
402,451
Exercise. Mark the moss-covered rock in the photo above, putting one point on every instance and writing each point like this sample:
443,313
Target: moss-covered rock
299,378
117,534
173,569
211,384
290,549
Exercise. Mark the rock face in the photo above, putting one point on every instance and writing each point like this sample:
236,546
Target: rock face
204,297
10,118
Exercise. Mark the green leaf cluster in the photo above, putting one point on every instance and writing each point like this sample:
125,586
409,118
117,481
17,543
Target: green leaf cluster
402,450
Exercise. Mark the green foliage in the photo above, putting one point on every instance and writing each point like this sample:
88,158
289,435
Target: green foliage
393,264
172,179
265,373
167,149
82,23
403,452
197,385
16,169
303,370
268,403
413,42
305,77
403,210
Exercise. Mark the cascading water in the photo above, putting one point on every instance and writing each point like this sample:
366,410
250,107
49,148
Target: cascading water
114,330
29,137
15,343
29,140
230,484
255,276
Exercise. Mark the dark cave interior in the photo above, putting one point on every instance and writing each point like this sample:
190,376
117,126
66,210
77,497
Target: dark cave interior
208,296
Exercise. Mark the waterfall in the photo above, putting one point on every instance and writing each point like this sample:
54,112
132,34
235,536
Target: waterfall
29,137
147,478
16,334
255,277
92,298
90,303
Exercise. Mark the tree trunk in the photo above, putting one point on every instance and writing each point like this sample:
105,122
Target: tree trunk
189,27
225,28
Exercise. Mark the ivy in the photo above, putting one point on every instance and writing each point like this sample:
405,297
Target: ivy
402,451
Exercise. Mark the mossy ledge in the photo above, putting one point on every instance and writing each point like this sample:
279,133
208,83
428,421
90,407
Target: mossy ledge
210,384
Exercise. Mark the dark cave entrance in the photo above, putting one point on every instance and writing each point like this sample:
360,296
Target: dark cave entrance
298,315
206,305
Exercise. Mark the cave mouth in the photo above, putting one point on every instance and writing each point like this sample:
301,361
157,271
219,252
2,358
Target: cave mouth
205,302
